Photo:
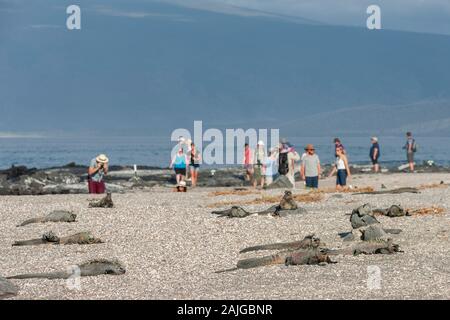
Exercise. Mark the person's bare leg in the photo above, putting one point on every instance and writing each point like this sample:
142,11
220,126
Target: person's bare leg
195,175
411,166
262,182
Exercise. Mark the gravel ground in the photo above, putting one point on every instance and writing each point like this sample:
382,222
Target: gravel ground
171,245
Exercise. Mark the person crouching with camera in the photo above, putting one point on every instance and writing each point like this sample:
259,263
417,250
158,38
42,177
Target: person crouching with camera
96,172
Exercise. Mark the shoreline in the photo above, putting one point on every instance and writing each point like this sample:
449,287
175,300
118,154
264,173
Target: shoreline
72,178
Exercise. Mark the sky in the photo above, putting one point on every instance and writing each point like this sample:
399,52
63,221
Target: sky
432,16
149,66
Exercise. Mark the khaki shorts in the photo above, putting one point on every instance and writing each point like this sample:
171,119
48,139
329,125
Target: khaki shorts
257,173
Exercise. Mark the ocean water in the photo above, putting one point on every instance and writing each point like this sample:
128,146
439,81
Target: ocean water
155,151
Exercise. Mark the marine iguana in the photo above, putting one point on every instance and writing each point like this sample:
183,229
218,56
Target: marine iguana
367,247
309,256
393,211
310,241
7,289
306,251
105,202
362,216
55,216
393,191
87,269
51,238
287,206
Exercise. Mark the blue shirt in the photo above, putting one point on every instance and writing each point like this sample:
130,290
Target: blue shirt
97,176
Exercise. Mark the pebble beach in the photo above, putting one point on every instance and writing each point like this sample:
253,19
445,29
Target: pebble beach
171,244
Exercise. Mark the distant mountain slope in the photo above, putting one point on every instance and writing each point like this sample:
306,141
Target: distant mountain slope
424,118
141,67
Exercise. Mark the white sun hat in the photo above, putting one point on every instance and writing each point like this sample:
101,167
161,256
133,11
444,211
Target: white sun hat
260,142
101,158
182,184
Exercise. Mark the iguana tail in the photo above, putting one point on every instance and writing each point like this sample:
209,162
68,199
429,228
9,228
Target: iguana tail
273,246
33,220
52,275
227,270
33,242
393,231
260,262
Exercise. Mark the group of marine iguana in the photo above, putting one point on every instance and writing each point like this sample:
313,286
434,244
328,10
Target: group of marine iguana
90,268
310,250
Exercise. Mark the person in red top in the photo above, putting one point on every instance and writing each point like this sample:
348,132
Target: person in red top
248,163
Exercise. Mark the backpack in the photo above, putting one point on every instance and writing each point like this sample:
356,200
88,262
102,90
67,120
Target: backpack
283,164
414,146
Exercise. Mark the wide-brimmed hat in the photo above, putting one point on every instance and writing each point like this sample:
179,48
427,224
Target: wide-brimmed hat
182,184
101,158
260,143
309,147
375,139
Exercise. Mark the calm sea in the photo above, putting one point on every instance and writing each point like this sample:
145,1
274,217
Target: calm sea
152,151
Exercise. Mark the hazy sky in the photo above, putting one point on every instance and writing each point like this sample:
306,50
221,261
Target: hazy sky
140,66
412,15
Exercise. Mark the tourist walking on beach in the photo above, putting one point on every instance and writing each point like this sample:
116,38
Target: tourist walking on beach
248,163
338,144
98,168
411,148
286,161
179,162
194,157
375,154
259,167
270,168
342,170
310,169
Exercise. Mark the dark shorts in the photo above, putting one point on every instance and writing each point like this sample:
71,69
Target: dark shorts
96,187
181,171
341,179
410,156
194,166
312,182
375,161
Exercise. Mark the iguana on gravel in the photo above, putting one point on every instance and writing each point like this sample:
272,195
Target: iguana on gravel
367,247
55,216
105,202
308,242
392,211
362,216
393,191
87,269
51,238
287,206
299,257
306,251
7,289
